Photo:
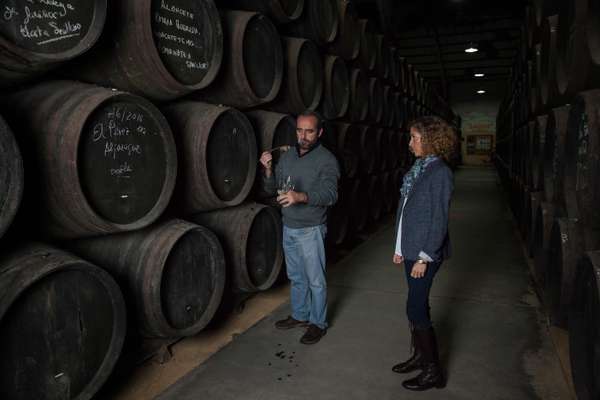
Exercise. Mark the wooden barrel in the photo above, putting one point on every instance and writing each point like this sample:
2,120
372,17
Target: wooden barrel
360,206
319,21
387,189
369,136
549,94
532,204
280,11
400,116
537,151
582,171
387,119
348,149
172,275
382,57
36,36
542,229
394,68
105,160
11,176
158,49
545,8
359,95
584,328
347,41
62,325
272,131
336,93
302,85
528,153
375,100
533,84
218,153
556,136
366,55
376,195
252,70
338,218
578,47
565,250
404,83
251,235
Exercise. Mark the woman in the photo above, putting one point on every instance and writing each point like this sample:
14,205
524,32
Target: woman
422,241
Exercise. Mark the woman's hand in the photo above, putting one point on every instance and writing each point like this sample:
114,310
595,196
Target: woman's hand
418,270
397,259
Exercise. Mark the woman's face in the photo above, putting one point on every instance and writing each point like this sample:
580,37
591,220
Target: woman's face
416,144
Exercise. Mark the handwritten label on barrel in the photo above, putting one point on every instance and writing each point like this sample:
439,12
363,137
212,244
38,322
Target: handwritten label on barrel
46,26
122,161
184,37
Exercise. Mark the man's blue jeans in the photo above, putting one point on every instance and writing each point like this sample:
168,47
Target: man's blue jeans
304,250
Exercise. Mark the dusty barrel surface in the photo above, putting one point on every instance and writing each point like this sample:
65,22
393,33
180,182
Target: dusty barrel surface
375,100
578,47
251,236
348,147
554,153
172,275
537,151
11,176
366,55
273,129
252,69
159,49
281,11
584,328
35,36
566,249
336,93
582,165
387,119
359,94
382,57
62,325
347,41
106,159
218,154
319,21
549,94
542,229
532,204
302,86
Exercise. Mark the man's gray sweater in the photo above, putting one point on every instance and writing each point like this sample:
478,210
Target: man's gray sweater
316,173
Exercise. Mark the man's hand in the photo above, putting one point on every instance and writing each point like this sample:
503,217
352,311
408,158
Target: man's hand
397,259
266,160
418,270
291,198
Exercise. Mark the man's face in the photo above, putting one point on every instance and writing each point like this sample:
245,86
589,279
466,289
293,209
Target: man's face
306,131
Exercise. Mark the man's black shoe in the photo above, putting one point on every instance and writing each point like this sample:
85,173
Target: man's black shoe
290,323
313,334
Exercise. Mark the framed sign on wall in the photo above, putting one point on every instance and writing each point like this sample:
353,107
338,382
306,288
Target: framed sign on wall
480,145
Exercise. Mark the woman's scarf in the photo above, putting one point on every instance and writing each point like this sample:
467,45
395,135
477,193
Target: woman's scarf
415,172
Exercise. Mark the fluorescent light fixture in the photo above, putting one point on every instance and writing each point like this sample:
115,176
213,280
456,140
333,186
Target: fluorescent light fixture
481,91
479,75
471,49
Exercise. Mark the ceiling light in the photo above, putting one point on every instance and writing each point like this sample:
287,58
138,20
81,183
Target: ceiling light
472,48
479,75
481,91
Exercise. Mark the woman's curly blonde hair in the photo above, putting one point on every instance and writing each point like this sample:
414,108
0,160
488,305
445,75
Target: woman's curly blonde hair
437,136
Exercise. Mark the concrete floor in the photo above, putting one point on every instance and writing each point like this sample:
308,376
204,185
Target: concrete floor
494,342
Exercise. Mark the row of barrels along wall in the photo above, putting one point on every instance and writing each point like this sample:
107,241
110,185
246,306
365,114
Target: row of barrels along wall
547,156
108,171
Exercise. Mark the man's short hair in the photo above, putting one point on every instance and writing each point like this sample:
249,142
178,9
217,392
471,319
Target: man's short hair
315,115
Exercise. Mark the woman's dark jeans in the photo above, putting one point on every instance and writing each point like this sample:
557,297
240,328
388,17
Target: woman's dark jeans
417,304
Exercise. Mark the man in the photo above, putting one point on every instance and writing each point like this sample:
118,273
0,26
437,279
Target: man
307,177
